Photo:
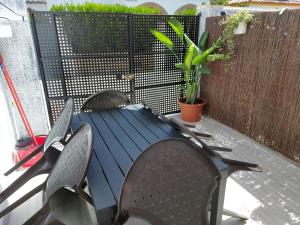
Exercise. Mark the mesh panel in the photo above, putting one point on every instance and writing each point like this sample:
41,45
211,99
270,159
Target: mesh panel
156,78
84,53
56,106
163,98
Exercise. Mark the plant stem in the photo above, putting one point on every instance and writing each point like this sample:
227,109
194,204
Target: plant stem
175,55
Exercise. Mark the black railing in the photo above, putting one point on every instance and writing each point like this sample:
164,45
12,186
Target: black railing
82,53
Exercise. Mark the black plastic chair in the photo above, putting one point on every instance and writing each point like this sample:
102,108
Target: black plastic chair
174,182
104,100
58,133
65,201
170,183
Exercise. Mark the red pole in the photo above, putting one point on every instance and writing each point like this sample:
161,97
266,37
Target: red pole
16,99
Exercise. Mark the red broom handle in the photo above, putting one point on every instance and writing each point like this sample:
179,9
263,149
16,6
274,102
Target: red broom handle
16,99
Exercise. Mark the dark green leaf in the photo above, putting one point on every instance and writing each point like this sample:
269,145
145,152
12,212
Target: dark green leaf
162,38
180,66
190,42
204,70
203,40
176,26
188,57
198,60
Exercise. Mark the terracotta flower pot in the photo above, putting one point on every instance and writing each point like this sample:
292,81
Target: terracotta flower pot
191,112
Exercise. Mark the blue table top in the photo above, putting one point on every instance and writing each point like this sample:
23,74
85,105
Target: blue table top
120,136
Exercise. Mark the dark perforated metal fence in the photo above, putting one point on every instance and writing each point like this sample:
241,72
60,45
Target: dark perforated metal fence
259,96
82,53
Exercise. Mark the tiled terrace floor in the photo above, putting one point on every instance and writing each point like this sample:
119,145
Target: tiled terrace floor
268,198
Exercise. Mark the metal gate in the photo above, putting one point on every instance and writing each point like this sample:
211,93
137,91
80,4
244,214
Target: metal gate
82,53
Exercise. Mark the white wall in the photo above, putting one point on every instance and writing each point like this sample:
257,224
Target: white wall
37,6
19,56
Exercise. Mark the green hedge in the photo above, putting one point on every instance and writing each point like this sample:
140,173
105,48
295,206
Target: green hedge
188,12
95,7
219,2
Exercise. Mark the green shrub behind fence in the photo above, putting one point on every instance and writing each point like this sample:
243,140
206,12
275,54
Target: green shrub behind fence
105,8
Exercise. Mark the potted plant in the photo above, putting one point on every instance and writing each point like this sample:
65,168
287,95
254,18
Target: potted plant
193,65
234,25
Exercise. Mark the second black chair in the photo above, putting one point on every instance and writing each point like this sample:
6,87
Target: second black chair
65,200
58,133
104,100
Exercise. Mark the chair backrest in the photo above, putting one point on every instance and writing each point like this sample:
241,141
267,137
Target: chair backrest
104,100
61,126
71,166
170,183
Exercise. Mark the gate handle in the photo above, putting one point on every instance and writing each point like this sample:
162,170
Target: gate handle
128,76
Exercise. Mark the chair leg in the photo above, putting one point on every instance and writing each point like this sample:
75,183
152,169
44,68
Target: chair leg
22,200
218,202
228,212
39,217
28,157
38,168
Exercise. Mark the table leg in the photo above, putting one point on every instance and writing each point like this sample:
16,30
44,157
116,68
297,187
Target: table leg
218,202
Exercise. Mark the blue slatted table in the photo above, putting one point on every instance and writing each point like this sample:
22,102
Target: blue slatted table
120,135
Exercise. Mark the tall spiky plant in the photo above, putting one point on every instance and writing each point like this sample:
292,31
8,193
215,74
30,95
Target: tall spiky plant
194,63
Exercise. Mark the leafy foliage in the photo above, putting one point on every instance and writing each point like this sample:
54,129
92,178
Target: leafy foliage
231,23
163,38
194,63
95,7
219,2
188,12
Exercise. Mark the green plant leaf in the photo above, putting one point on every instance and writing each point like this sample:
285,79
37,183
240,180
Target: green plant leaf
190,42
176,26
188,12
214,57
162,38
200,59
188,57
180,66
203,40
204,70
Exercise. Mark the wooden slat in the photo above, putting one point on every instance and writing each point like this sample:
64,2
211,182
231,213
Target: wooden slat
151,121
146,114
141,128
100,190
129,145
110,167
140,140
112,143
102,195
